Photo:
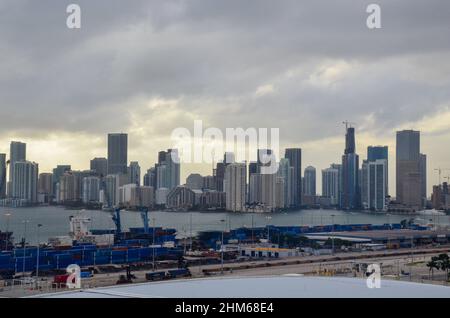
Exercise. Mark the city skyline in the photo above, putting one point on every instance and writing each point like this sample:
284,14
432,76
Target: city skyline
206,171
122,71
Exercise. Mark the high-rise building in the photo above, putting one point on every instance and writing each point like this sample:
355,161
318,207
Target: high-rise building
219,175
255,188
45,184
3,181
423,178
150,178
350,173
99,166
134,173
168,169
91,189
309,181
25,181
111,192
375,153
295,160
17,152
268,191
58,172
408,182
235,184
374,191
286,172
117,153
330,184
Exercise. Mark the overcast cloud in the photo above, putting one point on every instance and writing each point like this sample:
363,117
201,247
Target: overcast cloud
147,67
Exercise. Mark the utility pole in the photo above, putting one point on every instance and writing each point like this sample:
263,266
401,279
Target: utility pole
153,258
332,238
221,247
24,246
190,225
37,256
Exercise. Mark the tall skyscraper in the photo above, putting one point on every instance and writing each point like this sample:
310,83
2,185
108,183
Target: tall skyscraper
350,173
117,153
150,178
45,184
309,181
235,185
91,189
168,169
374,191
58,172
408,182
423,178
286,172
111,192
254,188
2,175
17,152
375,153
330,184
295,159
99,166
25,181
134,173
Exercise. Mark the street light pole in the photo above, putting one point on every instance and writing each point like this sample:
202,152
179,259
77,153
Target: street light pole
332,238
153,258
24,246
253,228
221,247
37,257
190,230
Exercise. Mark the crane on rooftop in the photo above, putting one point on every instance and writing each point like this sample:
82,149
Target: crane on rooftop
348,124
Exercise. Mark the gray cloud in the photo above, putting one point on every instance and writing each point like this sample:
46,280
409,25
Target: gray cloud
212,56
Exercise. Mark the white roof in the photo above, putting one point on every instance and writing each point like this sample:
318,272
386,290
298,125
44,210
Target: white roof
287,286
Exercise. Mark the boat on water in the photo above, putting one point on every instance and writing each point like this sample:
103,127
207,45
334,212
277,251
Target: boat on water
88,248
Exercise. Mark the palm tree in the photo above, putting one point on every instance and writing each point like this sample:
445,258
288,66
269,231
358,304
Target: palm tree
444,263
433,264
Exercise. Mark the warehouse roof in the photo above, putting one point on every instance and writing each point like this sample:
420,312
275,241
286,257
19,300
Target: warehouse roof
287,286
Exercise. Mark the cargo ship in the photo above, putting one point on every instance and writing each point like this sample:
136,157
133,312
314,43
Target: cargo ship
89,248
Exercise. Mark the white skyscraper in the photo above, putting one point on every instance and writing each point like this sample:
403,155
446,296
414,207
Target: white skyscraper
111,192
25,181
91,189
134,173
330,185
374,184
235,184
17,152
309,181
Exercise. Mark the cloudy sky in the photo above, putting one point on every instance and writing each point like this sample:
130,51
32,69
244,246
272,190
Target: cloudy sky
147,67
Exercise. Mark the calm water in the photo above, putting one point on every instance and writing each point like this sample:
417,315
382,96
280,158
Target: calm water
55,220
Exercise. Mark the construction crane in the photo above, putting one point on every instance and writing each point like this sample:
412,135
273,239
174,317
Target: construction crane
142,209
439,170
348,124
115,215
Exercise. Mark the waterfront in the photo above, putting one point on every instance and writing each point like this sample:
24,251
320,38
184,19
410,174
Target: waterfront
55,220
